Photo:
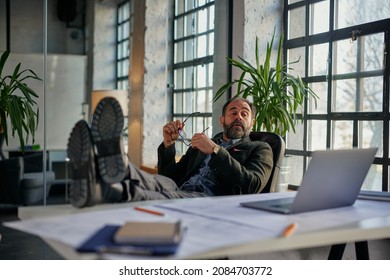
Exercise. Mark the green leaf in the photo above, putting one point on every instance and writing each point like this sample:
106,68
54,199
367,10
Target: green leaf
276,94
18,102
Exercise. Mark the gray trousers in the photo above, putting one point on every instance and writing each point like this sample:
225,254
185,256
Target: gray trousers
146,186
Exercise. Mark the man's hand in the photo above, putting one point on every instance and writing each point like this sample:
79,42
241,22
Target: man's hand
171,132
202,142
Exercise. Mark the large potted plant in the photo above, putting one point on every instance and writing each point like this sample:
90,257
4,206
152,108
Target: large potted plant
17,103
277,95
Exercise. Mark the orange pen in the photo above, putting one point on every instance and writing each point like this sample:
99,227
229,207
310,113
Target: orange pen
153,212
289,230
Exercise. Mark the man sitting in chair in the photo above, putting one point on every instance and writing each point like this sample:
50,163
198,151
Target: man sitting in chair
228,164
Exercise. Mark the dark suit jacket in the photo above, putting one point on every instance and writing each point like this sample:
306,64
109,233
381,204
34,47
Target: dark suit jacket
243,168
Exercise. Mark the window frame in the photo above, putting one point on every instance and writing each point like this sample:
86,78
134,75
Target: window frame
331,36
179,111
122,77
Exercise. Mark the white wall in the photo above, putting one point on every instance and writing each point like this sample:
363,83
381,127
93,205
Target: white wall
262,17
155,79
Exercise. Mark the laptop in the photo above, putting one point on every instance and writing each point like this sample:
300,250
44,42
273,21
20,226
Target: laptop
333,179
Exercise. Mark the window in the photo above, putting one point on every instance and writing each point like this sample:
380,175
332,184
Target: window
123,34
193,47
341,46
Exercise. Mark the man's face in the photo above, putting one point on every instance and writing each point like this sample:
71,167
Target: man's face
238,120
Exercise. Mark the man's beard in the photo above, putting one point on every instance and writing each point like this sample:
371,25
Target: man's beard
235,130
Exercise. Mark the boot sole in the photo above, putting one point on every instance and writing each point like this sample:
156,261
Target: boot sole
106,130
83,190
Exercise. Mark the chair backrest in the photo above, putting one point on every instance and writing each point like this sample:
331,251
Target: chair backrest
278,147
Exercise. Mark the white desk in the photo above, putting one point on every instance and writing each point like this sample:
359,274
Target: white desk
226,229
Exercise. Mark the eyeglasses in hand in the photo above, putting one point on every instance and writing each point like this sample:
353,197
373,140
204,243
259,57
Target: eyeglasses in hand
183,134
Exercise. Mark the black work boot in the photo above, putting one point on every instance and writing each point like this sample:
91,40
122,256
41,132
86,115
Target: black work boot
84,190
106,130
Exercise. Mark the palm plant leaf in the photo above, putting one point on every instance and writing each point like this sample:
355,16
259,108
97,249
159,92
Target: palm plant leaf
276,94
17,102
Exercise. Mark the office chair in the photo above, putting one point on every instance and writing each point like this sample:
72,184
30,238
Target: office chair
278,147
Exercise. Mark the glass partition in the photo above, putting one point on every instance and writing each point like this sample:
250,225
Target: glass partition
74,55
47,37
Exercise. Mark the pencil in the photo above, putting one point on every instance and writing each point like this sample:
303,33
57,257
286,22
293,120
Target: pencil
289,230
149,211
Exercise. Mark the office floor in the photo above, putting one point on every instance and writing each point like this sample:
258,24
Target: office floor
17,245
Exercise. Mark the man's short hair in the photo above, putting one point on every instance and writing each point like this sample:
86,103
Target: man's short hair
253,108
